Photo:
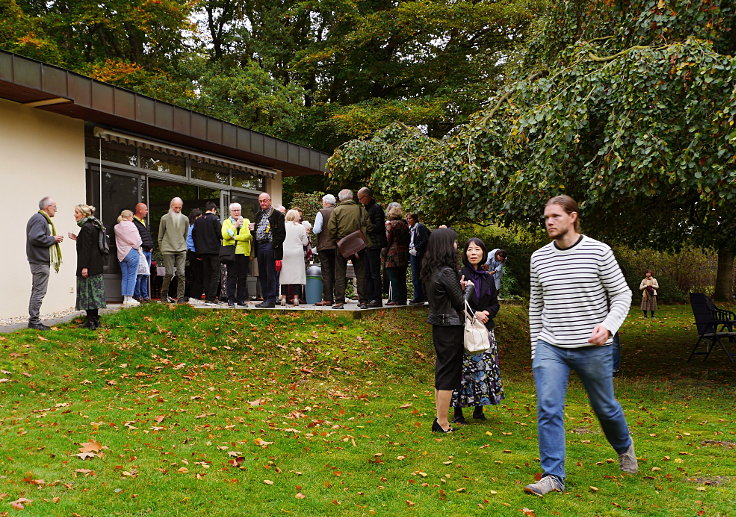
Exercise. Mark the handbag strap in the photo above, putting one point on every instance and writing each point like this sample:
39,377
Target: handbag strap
469,311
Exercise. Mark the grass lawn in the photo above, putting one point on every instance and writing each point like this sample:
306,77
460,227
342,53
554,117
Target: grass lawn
186,412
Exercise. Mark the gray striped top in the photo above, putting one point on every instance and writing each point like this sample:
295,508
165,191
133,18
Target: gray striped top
570,293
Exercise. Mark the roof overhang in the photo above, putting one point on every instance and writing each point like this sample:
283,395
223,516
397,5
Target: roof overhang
57,90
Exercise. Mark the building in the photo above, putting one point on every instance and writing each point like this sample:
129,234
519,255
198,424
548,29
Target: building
81,140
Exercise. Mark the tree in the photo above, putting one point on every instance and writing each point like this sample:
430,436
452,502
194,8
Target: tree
626,106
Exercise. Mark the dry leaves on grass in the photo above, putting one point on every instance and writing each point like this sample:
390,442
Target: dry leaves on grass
90,449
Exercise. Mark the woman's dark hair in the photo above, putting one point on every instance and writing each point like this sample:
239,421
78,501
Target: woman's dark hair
194,214
440,253
648,271
481,245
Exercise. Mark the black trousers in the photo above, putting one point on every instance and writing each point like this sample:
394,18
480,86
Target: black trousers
193,273
237,280
373,283
210,275
341,267
327,264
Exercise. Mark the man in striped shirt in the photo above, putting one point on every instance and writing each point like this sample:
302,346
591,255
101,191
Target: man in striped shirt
574,280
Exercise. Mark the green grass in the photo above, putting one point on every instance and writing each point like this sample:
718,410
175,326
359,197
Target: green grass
236,413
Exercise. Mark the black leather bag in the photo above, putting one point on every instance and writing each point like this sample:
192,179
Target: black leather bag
227,254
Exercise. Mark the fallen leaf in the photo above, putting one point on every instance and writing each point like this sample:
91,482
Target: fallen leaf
300,496
528,512
268,482
91,446
261,442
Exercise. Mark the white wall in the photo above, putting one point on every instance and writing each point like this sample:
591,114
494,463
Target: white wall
42,154
275,189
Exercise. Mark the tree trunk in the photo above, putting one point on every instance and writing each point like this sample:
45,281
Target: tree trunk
724,277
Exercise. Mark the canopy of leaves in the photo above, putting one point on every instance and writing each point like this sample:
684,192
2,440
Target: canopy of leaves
629,107
317,73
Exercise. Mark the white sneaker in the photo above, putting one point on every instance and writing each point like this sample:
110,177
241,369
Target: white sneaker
544,486
627,460
131,303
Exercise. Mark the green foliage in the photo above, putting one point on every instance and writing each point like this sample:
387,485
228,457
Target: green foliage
642,135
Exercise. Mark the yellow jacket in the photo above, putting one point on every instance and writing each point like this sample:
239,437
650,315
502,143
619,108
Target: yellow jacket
240,239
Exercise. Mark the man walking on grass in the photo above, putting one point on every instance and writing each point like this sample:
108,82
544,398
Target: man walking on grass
573,279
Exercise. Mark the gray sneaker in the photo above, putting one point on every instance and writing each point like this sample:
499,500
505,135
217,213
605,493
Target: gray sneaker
627,460
545,485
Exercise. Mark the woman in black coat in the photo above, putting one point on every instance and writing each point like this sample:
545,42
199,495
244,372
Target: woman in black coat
444,289
90,260
481,377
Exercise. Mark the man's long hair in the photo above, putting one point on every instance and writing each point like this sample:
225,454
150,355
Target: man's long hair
440,253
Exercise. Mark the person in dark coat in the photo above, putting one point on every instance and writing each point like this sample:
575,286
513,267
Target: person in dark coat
207,236
481,377
140,292
90,261
269,231
417,245
376,242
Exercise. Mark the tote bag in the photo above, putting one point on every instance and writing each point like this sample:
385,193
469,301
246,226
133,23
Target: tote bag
142,264
476,334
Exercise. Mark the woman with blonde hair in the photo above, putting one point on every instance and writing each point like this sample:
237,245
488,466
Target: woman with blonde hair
90,260
293,273
128,243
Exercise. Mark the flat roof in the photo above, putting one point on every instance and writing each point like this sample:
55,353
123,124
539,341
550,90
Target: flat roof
57,90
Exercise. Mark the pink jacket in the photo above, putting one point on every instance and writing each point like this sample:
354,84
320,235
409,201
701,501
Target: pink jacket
126,238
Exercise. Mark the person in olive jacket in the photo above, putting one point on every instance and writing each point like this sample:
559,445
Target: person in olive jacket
444,289
348,217
90,261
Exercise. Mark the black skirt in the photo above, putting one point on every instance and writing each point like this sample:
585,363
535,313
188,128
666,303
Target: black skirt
448,345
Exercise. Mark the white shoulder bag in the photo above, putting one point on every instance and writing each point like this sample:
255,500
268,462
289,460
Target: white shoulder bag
476,334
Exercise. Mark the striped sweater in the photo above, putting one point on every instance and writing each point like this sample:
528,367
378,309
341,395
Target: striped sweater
570,293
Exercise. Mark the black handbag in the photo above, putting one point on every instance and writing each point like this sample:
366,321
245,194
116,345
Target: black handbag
227,254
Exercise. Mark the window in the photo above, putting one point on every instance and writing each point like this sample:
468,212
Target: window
245,180
208,172
160,162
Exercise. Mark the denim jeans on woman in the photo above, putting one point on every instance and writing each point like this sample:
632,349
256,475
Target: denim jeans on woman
129,268
552,367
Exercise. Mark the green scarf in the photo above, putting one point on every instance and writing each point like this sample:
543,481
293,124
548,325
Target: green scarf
55,249
83,220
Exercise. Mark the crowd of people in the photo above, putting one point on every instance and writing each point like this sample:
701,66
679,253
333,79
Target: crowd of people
578,295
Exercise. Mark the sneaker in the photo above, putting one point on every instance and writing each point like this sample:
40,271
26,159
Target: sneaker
270,304
210,303
131,303
627,460
545,485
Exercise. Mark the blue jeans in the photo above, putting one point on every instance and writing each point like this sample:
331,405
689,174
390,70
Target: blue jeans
616,352
141,281
552,367
415,262
129,267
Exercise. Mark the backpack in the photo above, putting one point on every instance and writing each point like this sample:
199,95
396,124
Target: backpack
103,239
